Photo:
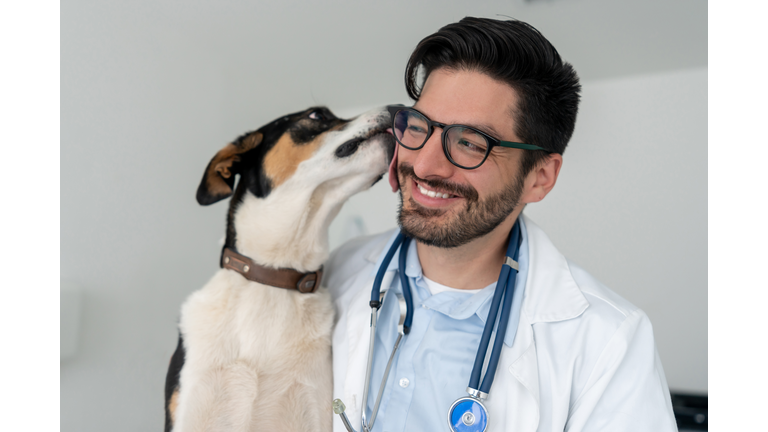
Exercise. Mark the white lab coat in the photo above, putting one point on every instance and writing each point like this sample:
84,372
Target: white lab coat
584,359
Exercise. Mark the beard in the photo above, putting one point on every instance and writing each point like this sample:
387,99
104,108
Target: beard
477,218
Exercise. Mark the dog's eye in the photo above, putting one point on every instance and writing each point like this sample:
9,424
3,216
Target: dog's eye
317,115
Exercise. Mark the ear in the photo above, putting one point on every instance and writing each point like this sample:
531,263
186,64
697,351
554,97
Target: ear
219,176
542,179
394,182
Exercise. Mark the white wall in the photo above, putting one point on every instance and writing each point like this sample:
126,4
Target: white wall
150,90
631,207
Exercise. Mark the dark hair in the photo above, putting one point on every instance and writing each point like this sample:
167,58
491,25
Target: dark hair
515,53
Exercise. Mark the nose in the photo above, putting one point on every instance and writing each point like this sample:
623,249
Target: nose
430,161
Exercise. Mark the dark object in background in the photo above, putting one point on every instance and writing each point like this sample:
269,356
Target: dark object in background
690,411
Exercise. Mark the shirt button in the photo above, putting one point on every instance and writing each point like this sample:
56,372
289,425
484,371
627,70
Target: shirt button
404,382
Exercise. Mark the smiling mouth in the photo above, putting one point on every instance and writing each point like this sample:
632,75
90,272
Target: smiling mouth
432,193
437,189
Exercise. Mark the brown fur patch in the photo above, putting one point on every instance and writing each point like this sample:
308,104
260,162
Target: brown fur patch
173,404
221,163
283,159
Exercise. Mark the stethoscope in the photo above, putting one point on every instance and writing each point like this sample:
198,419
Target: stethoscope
467,413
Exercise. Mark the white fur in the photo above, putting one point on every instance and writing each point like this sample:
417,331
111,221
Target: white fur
258,357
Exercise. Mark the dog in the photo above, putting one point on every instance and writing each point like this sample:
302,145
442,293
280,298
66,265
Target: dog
253,355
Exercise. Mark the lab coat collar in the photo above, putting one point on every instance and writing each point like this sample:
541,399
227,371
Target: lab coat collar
551,293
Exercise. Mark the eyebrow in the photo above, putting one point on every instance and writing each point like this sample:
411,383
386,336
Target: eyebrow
488,129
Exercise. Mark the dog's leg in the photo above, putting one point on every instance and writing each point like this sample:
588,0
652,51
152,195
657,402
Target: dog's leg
172,385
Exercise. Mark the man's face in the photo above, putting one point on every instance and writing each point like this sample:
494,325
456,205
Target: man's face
477,200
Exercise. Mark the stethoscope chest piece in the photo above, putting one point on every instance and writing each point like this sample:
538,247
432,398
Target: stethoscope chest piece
468,414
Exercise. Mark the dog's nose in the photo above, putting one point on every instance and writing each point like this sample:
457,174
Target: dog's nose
348,148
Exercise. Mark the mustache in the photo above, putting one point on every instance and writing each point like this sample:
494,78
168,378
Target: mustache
465,191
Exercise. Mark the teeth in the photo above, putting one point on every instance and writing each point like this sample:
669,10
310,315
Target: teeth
431,193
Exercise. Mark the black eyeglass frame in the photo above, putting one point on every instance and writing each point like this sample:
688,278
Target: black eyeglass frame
492,142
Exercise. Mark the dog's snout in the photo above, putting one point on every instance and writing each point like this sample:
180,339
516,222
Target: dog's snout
348,148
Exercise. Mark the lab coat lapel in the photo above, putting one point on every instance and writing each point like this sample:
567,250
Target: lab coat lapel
551,295
516,408
359,317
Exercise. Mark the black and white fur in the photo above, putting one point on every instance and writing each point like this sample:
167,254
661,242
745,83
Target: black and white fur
252,357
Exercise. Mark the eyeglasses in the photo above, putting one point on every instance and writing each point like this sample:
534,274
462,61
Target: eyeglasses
465,146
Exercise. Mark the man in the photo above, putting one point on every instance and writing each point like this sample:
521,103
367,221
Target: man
576,356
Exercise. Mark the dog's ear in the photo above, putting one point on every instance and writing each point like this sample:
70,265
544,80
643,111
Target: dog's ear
219,176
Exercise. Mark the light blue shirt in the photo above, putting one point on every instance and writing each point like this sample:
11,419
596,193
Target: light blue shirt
434,361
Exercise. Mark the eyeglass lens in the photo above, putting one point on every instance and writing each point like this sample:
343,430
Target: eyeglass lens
464,146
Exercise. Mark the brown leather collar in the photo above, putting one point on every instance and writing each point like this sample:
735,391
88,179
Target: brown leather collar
281,278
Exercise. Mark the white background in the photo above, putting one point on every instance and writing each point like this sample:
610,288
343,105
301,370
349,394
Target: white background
151,90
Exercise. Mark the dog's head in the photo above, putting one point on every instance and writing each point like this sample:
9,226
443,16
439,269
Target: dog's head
294,175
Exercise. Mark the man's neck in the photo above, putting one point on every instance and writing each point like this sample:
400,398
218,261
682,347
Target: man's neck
474,265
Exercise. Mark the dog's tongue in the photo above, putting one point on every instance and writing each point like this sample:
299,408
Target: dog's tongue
393,169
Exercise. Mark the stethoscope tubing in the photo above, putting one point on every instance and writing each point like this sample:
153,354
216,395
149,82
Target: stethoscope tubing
376,291
509,279
406,286
485,339
401,242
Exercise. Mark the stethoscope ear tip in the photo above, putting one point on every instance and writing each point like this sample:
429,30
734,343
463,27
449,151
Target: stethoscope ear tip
338,409
338,406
